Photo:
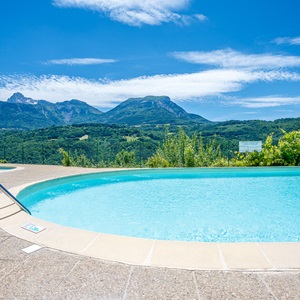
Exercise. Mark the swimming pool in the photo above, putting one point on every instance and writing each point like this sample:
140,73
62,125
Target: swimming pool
5,168
209,205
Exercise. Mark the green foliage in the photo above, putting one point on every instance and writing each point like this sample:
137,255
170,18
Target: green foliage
67,160
125,159
104,142
182,151
80,160
286,153
41,146
289,147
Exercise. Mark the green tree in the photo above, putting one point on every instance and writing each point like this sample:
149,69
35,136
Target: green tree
80,160
125,158
182,151
289,148
67,160
286,153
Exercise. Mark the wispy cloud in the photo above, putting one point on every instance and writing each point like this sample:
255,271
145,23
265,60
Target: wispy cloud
106,93
137,12
79,61
262,102
287,40
228,58
200,17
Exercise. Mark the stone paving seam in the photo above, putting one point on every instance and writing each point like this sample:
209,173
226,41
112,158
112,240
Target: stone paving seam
265,256
7,273
17,264
222,259
128,281
267,286
148,258
65,277
4,238
90,243
75,265
197,288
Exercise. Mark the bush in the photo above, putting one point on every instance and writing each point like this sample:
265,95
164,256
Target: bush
182,151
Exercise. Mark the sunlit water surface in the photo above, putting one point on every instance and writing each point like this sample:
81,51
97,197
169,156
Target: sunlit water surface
208,205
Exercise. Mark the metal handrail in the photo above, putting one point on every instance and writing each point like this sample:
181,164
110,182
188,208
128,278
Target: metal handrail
14,199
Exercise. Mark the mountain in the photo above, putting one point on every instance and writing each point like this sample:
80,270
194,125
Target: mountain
150,110
25,113
20,98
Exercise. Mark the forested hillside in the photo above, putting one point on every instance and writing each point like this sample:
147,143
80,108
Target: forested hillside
99,144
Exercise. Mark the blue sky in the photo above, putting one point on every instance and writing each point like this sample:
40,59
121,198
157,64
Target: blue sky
220,59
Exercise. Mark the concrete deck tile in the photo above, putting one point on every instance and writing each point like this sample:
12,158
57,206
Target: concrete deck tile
4,200
161,283
28,235
17,219
283,285
120,248
32,278
180,255
93,279
282,255
11,249
243,256
67,239
9,210
231,285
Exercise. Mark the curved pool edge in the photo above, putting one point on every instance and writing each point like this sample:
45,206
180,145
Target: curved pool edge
136,251
9,168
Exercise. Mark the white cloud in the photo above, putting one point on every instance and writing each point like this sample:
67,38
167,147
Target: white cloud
136,12
200,17
287,40
228,58
79,61
269,101
106,93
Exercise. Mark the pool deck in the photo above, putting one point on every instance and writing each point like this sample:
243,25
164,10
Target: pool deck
79,264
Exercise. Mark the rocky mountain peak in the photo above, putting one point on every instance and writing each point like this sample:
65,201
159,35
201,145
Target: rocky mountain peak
20,98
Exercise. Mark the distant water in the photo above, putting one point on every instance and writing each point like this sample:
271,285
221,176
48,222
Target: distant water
5,168
207,205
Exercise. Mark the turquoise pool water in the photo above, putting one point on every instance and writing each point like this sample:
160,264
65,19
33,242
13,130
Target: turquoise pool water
208,205
5,168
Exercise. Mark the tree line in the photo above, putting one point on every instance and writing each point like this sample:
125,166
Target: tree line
184,151
99,145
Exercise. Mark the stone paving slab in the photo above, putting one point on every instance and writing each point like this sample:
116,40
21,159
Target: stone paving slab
161,283
93,279
231,285
284,285
55,274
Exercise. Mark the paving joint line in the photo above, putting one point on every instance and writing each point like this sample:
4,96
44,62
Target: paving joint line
127,284
196,284
267,286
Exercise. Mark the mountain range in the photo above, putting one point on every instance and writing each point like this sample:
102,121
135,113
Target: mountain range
26,113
